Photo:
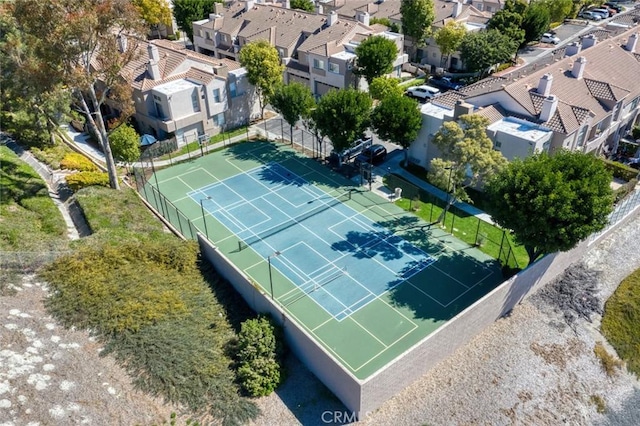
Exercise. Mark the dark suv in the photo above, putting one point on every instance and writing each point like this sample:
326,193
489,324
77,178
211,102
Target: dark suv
373,154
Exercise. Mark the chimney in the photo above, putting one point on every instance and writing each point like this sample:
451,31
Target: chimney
221,70
363,17
248,5
122,43
213,16
319,10
332,18
457,9
572,49
588,41
218,8
632,42
544,85
153,67
578,67
461,108
287,4
549,106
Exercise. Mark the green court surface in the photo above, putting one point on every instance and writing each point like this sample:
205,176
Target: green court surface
430,276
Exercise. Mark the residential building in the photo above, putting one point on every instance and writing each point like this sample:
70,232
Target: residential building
316,49
181,93
586,99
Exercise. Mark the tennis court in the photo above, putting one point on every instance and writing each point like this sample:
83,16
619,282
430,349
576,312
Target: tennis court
364,278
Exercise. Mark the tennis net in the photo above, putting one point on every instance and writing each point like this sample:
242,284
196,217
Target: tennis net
324,205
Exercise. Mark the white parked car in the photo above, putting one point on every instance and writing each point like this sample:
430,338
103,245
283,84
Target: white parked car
590,15
549,38
423,92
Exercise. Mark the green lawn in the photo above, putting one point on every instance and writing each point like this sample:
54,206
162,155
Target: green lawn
621,321
194,147
29,220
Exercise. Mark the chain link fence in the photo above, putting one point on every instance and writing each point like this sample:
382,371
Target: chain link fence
464,226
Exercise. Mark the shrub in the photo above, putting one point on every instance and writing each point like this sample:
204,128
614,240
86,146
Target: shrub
620,171
51,155
610,364
635,133
601,406
259,351
75,161
81,180
625,190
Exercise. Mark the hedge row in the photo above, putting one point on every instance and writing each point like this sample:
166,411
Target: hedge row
77,181
620,171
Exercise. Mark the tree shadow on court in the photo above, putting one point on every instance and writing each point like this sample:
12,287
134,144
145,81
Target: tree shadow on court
264,152
364,245
445,288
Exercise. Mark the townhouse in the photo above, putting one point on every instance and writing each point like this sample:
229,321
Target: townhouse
181,93
317,49
586,99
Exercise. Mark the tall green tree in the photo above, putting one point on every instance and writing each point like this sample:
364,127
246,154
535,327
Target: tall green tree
467,156
509,23
306,5
188,11
125,143
448,39
294,101
417,18
342,116
558,9
481,50
375,57
77,45
535,22
384,86
154,12
264,69
397,119
551,202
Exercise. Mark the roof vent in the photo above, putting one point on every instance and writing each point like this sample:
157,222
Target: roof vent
588,41
549,106
544,86
578,67
632,42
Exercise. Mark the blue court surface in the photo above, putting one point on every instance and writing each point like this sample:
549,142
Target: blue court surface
332,253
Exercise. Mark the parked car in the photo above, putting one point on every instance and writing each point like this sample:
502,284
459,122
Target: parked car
586,14
423,92
373,154
445,83
604,13
614,6
549,38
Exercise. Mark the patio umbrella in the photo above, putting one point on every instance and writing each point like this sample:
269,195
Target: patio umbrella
147,139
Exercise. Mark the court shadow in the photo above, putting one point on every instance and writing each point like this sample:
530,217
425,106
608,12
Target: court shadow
447,287
359,244
264,152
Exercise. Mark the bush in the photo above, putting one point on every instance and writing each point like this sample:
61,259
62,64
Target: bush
75,161
598,401
620,171
621,321
81,180
259,351
625,190
635,133
609,363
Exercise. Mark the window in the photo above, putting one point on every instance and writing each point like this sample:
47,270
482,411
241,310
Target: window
634,103
160,111
157,98
281,52
223,37
334,68
219,119
216,95
195,102
498,144
208,34
318,64
581,136
233,90
200,32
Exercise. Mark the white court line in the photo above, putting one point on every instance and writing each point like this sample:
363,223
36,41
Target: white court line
385,349
321,324
369,333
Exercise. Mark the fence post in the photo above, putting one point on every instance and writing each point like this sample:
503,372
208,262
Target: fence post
501,243
475,241
453,219
282,130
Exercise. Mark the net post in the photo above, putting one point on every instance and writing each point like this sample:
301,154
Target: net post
239,245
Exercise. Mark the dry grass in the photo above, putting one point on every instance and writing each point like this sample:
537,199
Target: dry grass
610,364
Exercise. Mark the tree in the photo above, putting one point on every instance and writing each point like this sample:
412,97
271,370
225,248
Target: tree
125,143
188,11
264,69
342,116
558,9
306,5
397,119
535,22
448,38
382,87
393,27
468,157
77,45
154,12
375,57
551,202
509,23
417,17
483,49
293,101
